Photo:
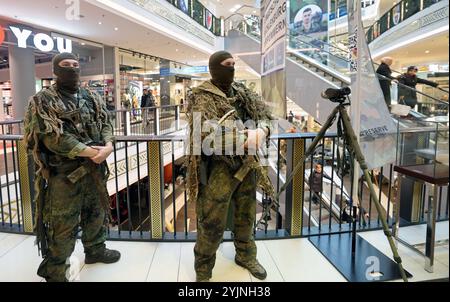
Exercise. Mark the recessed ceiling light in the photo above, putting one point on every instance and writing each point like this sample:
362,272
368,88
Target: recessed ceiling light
100,23
427,51
116,28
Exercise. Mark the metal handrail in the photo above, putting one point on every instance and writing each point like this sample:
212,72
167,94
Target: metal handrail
414,90
10,122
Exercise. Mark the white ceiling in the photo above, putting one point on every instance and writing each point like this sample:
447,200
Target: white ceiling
50,15
433,50
222,8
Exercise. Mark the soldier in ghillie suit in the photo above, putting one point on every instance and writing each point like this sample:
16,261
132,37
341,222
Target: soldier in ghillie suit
70,135
212,180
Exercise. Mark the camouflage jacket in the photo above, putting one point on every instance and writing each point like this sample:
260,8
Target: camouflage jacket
44,125
213,104
48,132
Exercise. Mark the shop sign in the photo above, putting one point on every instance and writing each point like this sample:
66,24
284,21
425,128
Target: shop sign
186,70
41,41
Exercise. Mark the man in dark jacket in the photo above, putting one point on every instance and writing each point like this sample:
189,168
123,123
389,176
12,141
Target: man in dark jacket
385,77
316,183
144,99
408,95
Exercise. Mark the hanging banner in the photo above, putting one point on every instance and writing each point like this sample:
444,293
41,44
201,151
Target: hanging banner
370,114
273,55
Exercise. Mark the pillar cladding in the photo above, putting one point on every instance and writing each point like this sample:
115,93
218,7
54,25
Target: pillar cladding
165,82
22,76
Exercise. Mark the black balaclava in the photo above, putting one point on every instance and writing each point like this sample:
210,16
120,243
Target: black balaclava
68,78
222,76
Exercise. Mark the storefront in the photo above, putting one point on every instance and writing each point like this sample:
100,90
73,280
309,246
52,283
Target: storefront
25,67
118,75
168,81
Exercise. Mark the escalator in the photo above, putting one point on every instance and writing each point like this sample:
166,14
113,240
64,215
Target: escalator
311,68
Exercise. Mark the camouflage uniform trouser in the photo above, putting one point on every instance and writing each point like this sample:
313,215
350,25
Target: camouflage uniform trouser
212,209
68,206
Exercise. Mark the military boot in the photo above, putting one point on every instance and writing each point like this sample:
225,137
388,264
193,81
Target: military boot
254,267
103,255
202,278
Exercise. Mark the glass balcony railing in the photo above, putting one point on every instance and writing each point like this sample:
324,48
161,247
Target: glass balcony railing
396,15
320,52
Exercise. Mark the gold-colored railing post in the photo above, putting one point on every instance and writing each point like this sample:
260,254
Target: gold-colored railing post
294,192
156,187
26,174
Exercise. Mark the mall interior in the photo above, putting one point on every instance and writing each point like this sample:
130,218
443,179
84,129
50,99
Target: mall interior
163,46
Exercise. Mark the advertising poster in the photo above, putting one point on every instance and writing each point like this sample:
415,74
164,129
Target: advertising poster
308,24
184,6
208,20
217,26
198,12
396,15
309,18
273,55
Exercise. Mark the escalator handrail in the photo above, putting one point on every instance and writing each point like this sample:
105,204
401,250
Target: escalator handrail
328,44
346,80
322,67
381,76
325,51
396,71
414,90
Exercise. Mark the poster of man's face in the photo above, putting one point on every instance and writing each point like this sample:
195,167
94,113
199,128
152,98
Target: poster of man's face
308,23
308,19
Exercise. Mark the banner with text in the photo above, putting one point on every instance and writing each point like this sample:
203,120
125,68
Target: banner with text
273,55
376,127
308,28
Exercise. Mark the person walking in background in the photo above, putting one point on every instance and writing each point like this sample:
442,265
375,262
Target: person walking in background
144,98
408,95
316,183
385,77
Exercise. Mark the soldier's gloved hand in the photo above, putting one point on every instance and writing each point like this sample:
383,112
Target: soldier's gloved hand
103,153
255,138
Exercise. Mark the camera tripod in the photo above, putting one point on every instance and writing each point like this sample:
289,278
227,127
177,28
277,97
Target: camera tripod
351,143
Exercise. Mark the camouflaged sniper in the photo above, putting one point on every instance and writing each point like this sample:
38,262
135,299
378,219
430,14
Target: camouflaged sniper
44,121
209,101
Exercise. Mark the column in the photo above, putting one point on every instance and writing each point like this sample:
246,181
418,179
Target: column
165,82
23,80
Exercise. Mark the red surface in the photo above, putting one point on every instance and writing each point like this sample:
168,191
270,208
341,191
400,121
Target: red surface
168,174
2,35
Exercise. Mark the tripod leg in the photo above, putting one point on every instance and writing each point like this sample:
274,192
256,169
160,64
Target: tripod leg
329,122
353,143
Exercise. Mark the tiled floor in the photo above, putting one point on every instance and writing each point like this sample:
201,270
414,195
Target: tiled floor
285,260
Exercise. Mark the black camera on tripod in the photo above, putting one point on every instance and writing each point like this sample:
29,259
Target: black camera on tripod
337,95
